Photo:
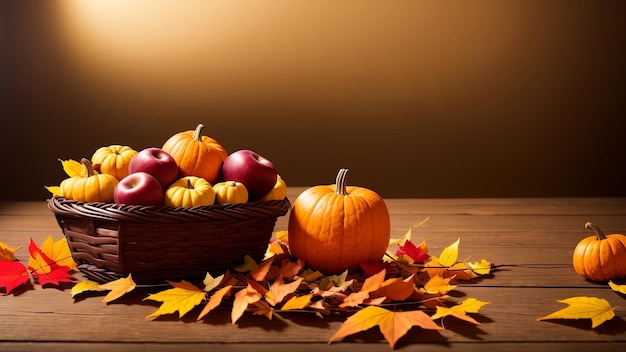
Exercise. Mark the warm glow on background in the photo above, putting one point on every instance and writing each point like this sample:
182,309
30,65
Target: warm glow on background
307,51
417,98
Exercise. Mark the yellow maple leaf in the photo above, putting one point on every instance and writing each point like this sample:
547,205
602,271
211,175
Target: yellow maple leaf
617,288
438,285
118,288
262,308
597,309
83,286
393,325
243,298
214,301
7,252
470,305
74,168
182,298
59,252
450,254
55,190
297,302
481,268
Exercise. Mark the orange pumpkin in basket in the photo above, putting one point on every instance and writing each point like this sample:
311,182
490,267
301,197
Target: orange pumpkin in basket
113,160
334,228
196,155
600,257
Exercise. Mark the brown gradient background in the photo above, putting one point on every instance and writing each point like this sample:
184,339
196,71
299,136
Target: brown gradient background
417,98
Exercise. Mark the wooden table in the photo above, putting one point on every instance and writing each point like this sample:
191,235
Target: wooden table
533,238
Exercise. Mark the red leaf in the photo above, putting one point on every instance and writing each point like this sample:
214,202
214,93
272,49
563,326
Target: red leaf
57,275
414,252
12,274
46,270
374,268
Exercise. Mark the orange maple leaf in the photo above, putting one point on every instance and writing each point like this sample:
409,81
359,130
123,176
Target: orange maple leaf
393,325
243,298
215,300
279,290
118,288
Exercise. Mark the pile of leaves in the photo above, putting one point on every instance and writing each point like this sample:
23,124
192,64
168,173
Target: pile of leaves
395,294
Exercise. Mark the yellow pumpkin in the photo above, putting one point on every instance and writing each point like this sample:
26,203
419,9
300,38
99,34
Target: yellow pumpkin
113,160
190,191
279,192
91,188
334,228
196,155
230,192
600,257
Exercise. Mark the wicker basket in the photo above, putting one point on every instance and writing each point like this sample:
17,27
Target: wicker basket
155,244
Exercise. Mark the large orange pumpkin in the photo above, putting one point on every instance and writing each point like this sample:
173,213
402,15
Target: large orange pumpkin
600,257
334,228
196,155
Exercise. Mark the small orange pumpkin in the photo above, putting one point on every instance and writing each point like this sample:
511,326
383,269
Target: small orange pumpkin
91,188
230,192
196,155
334,228
600,257
113,160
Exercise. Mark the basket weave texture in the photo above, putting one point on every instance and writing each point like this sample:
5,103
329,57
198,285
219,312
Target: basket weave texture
109,241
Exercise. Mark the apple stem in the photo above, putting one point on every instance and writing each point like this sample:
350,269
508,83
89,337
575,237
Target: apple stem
89,166
341,182
599,233
197,134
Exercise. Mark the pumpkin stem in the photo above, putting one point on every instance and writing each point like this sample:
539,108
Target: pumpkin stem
89,166
189,185
599,233
341,182
197,134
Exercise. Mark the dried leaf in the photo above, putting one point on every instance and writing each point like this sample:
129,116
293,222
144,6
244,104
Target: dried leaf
393,325
395,289
215,300
598,310
243,298
59,252
211,282
12,275
118,288
297,302
7,252
54,190
258,272
438,285
450,254
417,254
84,286
262,308
74,168
46,270
279,290
481,268
338,281
182,298
470,305
248,264
617,288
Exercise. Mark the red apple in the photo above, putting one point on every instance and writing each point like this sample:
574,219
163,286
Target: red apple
156,162
139,188
257,173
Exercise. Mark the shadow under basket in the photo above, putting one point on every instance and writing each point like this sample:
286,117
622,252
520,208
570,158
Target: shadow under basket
159,243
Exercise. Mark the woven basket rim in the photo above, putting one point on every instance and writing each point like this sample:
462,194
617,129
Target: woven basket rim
168,214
